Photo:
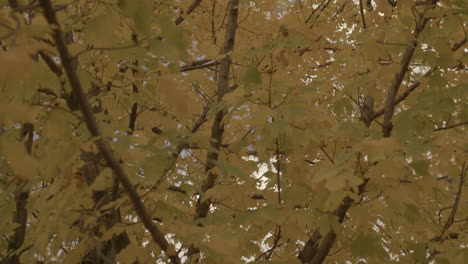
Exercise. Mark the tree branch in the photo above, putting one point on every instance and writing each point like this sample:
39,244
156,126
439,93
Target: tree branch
102,144
404,95
451,126
453,211
322,6
458,45
341,9
190,9
390,101
315,252
361,8
217,130
50,62
268,253
194,66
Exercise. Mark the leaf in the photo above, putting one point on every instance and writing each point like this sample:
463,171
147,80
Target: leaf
229,170
24,166
304,111
379,149
13,113
421,167
411,213
418,250
140,12
101,30
342,106
327,223
368,245
252,76
173,95
173,39
266,262
17,76
87,79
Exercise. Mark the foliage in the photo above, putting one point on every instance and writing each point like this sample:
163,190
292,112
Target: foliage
190,131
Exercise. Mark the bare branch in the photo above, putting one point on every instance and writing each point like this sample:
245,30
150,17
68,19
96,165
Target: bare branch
341,9
321,7
326,154
451,126
47,91
50,62
361,8
458,45
268,253
193,66
190,9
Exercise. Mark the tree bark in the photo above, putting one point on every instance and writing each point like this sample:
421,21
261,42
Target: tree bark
217,129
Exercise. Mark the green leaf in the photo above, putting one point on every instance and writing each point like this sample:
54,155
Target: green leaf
140,12
172,36
442,260
418,250
252,76
228,169
342,106
101,30
436,81
86,78
368,245
462,5
327,223
458,91
411,213
421,167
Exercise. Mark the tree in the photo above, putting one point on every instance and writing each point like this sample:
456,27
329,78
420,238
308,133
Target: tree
233,131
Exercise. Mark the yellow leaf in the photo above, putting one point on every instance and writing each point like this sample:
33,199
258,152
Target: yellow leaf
173,95
12,113
21,162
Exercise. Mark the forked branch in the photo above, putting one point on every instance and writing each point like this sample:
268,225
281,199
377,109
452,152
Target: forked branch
404,95
317,248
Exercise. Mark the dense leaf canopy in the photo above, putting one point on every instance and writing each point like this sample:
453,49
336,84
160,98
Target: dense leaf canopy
232,131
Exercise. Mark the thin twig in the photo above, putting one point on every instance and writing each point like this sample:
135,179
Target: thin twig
451,126
361,8
326,154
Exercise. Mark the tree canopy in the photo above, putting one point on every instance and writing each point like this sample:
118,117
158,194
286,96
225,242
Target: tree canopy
232,131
